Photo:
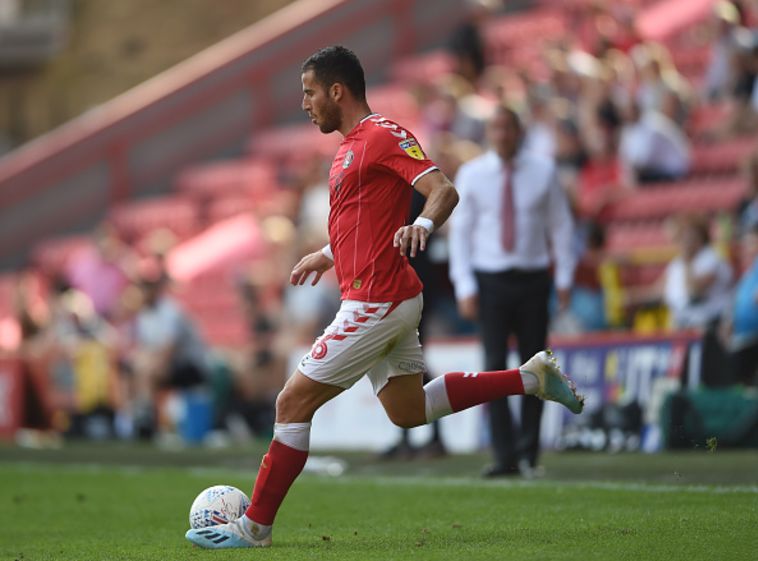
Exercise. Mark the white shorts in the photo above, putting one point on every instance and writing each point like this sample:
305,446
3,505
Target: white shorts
378,339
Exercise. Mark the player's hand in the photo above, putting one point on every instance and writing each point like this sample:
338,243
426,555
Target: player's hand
315,262
411,239
468,308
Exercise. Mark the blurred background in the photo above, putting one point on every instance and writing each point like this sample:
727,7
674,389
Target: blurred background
158,181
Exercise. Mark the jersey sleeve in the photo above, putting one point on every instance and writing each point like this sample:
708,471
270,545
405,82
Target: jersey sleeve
398,152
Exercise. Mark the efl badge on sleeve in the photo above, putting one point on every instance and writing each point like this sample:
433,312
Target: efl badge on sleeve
412,148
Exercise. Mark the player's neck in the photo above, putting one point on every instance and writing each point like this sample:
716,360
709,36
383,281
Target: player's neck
353,116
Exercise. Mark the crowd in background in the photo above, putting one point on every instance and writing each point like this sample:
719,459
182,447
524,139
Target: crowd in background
611,109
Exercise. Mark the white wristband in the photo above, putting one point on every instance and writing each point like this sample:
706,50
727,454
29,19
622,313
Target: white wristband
327,251
425,223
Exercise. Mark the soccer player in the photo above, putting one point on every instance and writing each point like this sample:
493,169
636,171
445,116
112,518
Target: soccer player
375,330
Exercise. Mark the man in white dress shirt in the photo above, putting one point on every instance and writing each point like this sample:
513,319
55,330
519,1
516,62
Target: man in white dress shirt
511,216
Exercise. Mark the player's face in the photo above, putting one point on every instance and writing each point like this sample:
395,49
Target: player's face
504,134
323,111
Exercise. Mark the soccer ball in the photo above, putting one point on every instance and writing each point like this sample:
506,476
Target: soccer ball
217,505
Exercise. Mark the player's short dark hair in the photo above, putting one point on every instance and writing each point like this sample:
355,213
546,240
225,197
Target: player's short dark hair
338,64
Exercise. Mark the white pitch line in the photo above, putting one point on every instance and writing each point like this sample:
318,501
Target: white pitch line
599,485
384,480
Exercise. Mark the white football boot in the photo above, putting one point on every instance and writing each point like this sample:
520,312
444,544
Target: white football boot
553,384
227,536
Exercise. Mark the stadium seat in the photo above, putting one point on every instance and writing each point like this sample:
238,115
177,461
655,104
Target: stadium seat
722,157
279,143
691,62
507,35
136,219
421,69
223,178
51,256
623,238
228,206
395,102
685,196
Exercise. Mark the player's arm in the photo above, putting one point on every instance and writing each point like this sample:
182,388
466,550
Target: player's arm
317,262
441,198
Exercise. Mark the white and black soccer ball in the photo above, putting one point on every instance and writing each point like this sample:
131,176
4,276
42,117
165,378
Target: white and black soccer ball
217,505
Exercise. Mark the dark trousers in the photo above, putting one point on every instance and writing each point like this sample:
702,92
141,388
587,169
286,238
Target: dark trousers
514,303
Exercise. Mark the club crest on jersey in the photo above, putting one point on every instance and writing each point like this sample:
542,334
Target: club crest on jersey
348,159
412,148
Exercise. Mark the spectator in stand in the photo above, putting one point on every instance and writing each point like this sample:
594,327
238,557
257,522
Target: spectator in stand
695,286
260,376
540,135
466,45
746,89
602,181
457,109
104,271
741,325
169,351
719,75
35,353
313,184
653,147
743,116
587,308
570,156
747,212
658,76
698,280
626,36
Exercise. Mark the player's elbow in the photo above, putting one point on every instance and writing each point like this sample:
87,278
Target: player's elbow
449,195
454,197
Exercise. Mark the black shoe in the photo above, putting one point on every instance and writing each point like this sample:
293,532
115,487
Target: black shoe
496,470
400,451
432,450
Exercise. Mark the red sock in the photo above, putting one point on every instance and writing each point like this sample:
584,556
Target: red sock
466,389
279,469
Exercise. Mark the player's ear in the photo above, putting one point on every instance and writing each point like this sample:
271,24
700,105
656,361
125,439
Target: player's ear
336,91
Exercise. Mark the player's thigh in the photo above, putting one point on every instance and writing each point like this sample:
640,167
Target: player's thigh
403,399
399,381
301,397
403,355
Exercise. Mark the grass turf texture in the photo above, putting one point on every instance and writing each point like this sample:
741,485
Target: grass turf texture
72,511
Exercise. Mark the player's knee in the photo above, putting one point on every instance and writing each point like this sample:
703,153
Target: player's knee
286,406
292,407
406,419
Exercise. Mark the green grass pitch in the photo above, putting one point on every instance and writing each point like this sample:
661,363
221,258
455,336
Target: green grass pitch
588,507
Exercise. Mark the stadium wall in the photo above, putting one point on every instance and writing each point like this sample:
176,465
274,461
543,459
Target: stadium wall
206,107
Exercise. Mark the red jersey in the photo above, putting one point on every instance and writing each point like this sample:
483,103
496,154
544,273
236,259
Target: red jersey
370,189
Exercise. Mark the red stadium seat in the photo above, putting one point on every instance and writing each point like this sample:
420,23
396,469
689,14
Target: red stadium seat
136,219
722,157
281,143
623,238
395,102
52,255
422,69
223,178
685,196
